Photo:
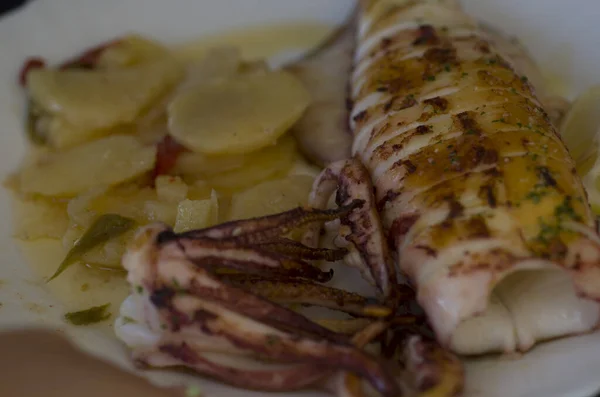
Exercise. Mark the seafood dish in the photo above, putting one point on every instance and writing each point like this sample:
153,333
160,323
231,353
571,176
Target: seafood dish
416,152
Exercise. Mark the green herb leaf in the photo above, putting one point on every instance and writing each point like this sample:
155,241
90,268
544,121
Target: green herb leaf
89,316
566,210
547,232
193,391
536,195
106,227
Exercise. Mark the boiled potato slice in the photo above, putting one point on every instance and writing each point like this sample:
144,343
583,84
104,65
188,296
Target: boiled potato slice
84,101
218,64
199,190
40,218
238,115
215,199
80,210
59,134
269,163
580,128
104,162
159,211
271,197
127,201
170,188
196,164
194,214
580,131
131,50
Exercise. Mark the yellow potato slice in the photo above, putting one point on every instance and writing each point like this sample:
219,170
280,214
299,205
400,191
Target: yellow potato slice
131,50
104,162
271,197
198,165
82,102
269,163
580,127
239,115
580,131
194,214
160,211
170,188
127,201
140,204
218,64
199,190
216,205
38,218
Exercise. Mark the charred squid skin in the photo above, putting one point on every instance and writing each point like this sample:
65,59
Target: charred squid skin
191,313
298,250
472,179
305,293
207,286
430,369
264,310
215,254
270,227
299,349
173,354
352,182
185,303
296,377
347,384
189,303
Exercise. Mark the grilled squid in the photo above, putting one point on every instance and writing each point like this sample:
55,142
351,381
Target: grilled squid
183,314
216,301
478,197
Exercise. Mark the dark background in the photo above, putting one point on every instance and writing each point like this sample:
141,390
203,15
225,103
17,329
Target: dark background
6,5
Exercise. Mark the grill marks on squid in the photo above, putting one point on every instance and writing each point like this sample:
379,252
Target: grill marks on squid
452,108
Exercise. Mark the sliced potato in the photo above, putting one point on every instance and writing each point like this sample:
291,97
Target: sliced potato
580,129
219,64
269,163
170,188
40,218
194,214
127,201
199,190
271,197
104,162
80,210
196,164
160,211
239,115
215,199
131,50
86,101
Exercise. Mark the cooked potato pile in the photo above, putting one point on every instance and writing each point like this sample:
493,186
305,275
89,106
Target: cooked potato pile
237,115
134,131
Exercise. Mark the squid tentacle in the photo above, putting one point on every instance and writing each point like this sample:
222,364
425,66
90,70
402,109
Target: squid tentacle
361,227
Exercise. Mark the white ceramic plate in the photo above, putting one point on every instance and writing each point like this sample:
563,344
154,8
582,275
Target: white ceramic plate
563,36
